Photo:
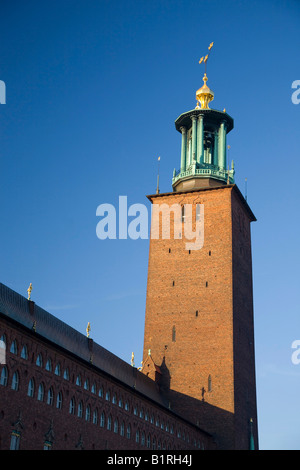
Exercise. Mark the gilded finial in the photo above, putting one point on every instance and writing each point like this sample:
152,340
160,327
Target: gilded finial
88,329
132,359
29,291
204,95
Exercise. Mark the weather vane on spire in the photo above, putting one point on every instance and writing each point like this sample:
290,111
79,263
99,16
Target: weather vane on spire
204,95
205,58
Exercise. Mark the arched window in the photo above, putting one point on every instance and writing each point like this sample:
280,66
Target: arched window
109,423
66,374
50,396
80,410
86,384
100,393
143,439
72,406
182,214
116,426
14,347
114,399
4,376
148,441
88,413
122,429
93,389
59,400
57,369
30,391
102,420
40,396
137,436
95,416
15,381
24,353
78,380
39,360
128,431
48,365
107,395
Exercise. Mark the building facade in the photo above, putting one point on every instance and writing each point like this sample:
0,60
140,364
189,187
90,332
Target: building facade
196,388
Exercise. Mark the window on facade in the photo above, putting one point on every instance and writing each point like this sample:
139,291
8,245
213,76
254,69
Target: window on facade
109,423
39,360
128,431
80,409
3,339
148,441
66,374
72,406
93,389
142,413
174,334
78,380
48,365
198,211
88,413
13,347
30,391
86,384
154,443
15,381
116,426
3,377
137,436
40,396
47,445
126,406
59,400
50,396
100,392
57,369
120,403
24,353
95,416
122,429
114,399
135,411
102,420
15,440
107,395
143,439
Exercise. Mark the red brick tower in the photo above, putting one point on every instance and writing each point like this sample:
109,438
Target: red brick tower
199,333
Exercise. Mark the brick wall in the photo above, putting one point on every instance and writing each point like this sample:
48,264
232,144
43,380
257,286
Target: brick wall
190,326
39,421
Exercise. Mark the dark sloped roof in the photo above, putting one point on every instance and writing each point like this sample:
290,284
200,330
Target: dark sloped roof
19,309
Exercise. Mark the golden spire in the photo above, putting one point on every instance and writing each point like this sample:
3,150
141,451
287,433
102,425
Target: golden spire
88,329
29,291
204,95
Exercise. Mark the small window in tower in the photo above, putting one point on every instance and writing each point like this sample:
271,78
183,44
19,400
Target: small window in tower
189,252
173,334
173,283
209,383
209,253
206,284
169,250
196,313
182,214
198,211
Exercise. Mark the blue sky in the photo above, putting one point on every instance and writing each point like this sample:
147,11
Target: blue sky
92,92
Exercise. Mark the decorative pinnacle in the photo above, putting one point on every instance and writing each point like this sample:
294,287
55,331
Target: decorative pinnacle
204,95
29,291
